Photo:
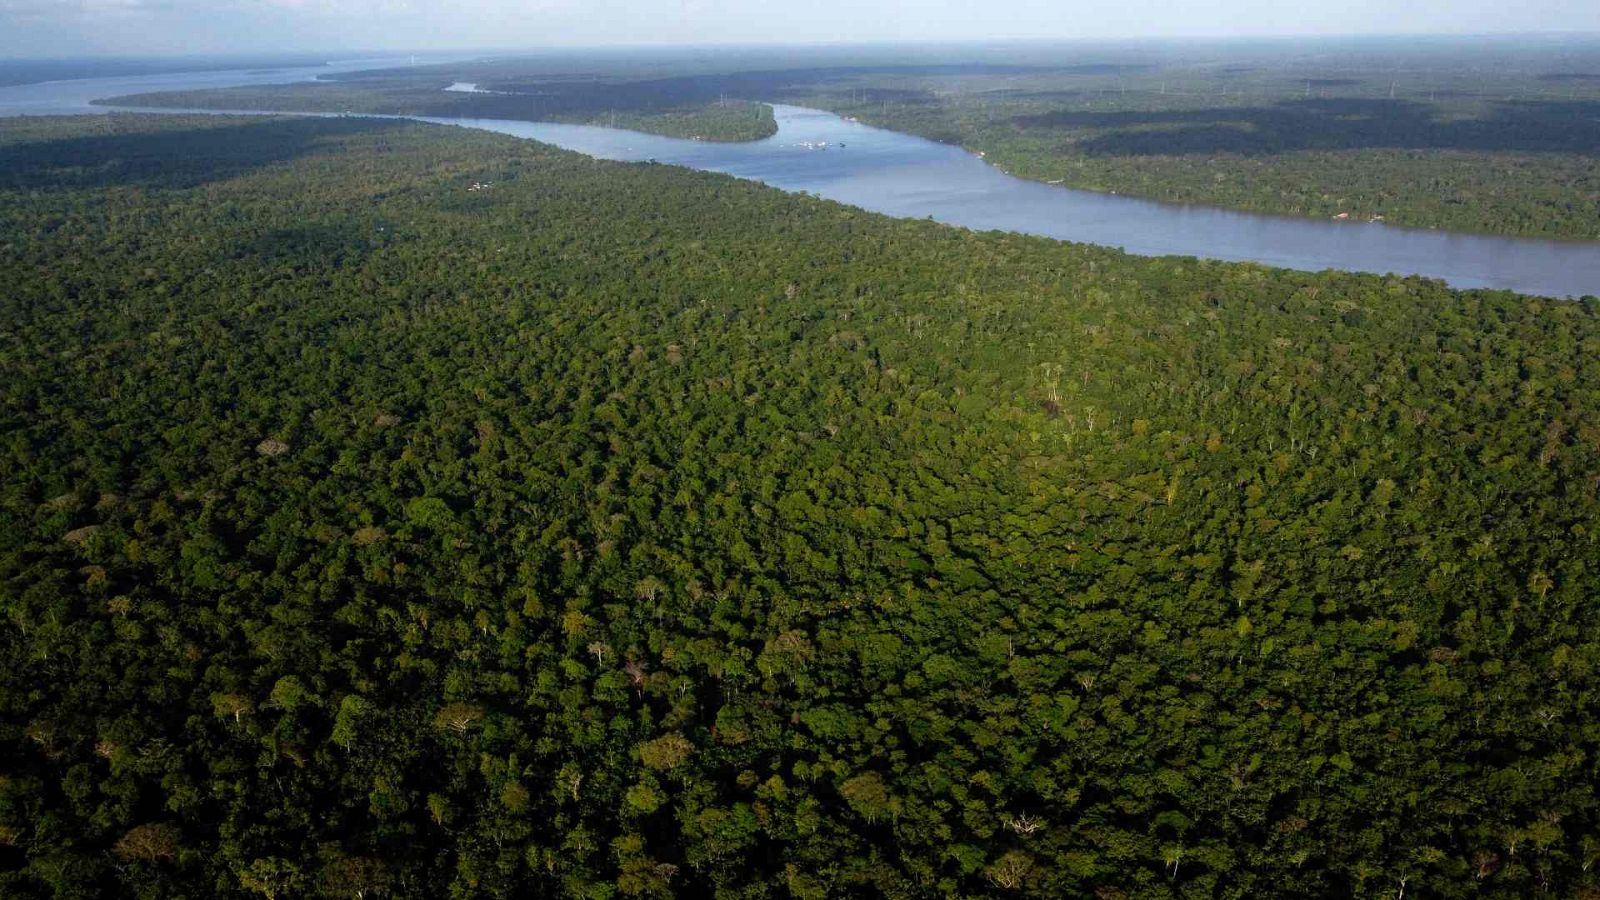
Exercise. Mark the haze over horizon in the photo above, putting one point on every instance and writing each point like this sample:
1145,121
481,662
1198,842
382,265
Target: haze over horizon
40,28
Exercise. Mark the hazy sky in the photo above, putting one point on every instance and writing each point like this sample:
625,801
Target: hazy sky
133,27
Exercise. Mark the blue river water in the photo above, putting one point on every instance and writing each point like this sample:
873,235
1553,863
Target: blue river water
906,176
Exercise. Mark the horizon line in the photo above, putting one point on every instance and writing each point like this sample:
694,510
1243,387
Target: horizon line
356,53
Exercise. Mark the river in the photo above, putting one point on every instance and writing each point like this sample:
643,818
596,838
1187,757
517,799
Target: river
910,177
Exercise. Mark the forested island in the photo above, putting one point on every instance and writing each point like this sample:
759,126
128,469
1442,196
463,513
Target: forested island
397,510
616,106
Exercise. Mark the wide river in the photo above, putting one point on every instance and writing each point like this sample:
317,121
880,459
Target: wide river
901,175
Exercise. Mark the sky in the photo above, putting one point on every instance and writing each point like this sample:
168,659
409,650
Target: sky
35,28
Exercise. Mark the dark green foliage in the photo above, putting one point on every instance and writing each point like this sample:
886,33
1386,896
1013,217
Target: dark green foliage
622,530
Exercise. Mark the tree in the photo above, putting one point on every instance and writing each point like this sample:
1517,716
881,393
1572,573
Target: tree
666,753
1011,871
154,842
869,796
350,722
355,877
458,717
271,877
234,706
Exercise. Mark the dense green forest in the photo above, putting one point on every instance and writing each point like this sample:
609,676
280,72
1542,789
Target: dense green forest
620,530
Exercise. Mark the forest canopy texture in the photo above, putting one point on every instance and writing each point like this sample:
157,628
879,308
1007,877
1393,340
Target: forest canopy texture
398,510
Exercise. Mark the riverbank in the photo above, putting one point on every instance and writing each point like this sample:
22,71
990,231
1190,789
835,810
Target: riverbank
912,177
